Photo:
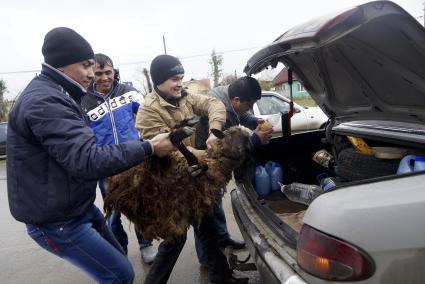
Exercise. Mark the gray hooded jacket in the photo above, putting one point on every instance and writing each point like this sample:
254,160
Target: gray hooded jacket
232,118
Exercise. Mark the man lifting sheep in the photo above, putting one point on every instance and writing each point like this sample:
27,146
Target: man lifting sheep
167,105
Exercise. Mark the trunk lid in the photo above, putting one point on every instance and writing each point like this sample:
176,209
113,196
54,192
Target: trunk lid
364,63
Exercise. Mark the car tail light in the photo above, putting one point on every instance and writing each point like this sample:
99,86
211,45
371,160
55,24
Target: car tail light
332,259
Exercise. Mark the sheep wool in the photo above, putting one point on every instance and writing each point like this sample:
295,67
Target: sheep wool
160,196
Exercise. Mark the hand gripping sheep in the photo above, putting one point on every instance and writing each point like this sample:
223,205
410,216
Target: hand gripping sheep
181,131
162,198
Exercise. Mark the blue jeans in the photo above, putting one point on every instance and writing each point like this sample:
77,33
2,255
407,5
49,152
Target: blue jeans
220,226
86,242
114,222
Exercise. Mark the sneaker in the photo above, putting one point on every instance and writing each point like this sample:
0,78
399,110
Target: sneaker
232,243
148,254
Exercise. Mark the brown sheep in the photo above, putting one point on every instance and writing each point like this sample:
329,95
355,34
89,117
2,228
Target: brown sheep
160,196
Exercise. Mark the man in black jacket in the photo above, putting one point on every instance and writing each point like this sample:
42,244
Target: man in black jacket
53,162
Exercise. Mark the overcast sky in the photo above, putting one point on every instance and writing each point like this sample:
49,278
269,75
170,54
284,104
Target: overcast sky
130,32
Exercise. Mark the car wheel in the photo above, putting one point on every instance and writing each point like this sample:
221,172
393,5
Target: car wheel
353,166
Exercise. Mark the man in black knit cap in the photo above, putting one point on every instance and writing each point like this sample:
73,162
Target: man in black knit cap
53,162
167,105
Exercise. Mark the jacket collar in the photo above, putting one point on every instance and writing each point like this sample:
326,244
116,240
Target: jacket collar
164,102
91,90
73,88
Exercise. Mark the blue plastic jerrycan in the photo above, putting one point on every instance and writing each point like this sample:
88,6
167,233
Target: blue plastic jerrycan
406,165
269,167
262,181
276,177
274,170
419,163
411,163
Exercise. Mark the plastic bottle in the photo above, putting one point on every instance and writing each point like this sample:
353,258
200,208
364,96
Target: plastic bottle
276,176
301,193
406,165
262,181
328,183
419,163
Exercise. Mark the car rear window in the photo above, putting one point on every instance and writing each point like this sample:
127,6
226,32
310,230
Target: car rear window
272,105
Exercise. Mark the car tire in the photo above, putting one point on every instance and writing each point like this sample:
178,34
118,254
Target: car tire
353,166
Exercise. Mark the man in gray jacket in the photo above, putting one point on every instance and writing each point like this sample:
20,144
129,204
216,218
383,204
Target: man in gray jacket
238,98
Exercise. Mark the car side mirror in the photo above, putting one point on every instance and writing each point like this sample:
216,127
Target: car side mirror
297,110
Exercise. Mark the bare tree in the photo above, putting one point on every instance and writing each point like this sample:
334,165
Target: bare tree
216,61
142,75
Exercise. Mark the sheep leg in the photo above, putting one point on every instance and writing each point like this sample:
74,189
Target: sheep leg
195,168
177,136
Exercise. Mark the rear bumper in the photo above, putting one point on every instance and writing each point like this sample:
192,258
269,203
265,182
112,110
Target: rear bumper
270,264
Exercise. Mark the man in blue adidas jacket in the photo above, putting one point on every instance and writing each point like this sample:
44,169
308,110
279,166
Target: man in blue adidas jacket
110,108
53,162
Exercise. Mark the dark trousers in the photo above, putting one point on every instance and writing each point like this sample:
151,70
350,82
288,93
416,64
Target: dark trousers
219,222
169,251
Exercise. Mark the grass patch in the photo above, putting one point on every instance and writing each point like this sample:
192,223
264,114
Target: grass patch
305,101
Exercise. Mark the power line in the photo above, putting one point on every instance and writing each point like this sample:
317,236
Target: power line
144,61
192,56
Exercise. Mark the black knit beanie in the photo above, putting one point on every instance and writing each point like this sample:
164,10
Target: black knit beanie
164,67
63,46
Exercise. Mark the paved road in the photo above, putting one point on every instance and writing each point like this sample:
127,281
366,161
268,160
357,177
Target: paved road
22,261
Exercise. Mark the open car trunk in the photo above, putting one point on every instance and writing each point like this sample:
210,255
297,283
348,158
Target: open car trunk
295,154
364,67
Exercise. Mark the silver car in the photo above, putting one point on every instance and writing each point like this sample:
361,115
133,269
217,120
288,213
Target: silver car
272,105
365,68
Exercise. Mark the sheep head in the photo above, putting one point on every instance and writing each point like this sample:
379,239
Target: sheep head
233,144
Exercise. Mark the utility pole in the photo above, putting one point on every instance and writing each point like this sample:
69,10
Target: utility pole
165,47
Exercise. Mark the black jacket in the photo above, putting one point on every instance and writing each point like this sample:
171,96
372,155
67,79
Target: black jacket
53,162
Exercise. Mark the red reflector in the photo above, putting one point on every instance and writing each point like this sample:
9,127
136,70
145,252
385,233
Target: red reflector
329,258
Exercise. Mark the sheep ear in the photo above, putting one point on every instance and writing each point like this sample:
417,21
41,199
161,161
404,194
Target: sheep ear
218,133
